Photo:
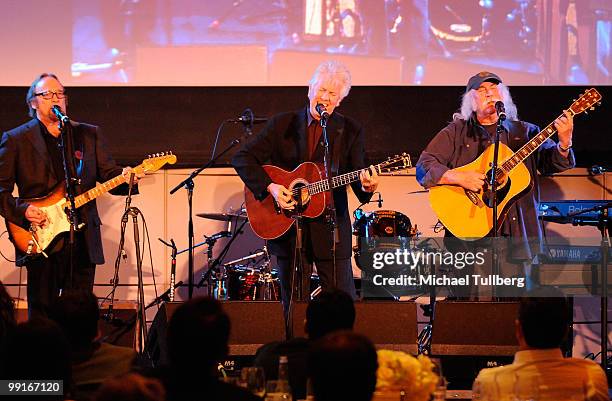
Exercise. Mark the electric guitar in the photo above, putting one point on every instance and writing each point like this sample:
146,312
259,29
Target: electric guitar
40,239
308,183
469,215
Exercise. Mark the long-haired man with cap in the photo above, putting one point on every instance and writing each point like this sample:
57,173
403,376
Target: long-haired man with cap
472,130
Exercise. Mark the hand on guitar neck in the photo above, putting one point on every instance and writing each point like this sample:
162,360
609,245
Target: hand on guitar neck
470,180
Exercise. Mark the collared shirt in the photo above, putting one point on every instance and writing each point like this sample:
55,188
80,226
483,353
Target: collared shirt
314,131
543,374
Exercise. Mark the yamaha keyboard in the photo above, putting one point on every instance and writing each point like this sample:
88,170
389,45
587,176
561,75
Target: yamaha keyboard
577,212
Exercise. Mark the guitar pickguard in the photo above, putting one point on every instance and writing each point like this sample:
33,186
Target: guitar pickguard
57,223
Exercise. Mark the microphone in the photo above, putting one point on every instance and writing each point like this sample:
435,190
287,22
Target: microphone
380,201
247,118
60,114
322,111
501,110
598,170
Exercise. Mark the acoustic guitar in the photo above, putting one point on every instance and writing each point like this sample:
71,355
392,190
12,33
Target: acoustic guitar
469,215
39,239
308,183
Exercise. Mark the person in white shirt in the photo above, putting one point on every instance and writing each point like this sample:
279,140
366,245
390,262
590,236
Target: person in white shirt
539,371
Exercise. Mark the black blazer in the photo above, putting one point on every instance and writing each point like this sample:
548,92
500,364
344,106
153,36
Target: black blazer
284,143
25,162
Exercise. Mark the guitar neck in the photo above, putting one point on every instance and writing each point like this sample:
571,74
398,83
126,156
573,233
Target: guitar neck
337,181
520,155
98,190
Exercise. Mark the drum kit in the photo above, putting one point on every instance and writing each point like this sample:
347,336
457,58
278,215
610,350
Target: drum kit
253,278
248,278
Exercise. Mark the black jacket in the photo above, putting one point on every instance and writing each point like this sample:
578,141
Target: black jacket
25,162
284,143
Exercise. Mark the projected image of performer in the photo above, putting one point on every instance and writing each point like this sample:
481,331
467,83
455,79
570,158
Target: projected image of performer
291,138
30,157
469,137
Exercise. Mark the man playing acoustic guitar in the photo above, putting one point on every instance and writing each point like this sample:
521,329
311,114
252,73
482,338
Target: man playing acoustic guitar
295,137
470,134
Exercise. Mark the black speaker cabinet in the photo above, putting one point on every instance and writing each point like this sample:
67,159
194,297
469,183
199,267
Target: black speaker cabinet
470,336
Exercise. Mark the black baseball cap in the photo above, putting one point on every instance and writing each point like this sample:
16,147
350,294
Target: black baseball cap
482,76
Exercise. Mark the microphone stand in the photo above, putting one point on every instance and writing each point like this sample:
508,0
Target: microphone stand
142,319
172,246
493,184
67,146
121,252
331,207
212,267
188,184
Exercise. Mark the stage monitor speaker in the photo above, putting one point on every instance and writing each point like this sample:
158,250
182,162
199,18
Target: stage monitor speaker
389,324
121,330
253,323
118,331
470,336
474,328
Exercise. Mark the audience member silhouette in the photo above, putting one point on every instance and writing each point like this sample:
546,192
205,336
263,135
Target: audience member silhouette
342,367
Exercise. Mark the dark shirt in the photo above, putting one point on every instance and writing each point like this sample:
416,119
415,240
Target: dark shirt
461,142
55,152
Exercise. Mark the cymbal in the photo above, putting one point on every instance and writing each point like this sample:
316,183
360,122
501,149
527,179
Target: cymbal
222,216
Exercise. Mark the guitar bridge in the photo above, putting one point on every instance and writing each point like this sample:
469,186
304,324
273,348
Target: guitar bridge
474,198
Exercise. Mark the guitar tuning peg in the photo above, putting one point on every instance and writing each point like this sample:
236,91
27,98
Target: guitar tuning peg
592,108
148,156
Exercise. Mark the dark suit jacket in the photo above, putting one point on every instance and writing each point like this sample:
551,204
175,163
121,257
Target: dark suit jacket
284,143
24,161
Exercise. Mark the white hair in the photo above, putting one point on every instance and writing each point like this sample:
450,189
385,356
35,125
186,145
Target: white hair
468,104
336,72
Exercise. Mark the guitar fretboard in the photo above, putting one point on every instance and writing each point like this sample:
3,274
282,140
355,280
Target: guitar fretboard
529,147
98,190
338,181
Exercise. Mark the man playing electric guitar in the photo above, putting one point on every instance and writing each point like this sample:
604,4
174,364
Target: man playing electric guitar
295,137
31,159
469,134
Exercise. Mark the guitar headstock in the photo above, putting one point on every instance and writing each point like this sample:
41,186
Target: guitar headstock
589,99
395,164
155,161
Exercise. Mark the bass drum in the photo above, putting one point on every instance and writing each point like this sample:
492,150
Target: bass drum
383,230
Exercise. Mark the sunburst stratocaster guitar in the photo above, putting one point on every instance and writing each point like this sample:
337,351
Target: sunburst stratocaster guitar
307,181
38,239
469,215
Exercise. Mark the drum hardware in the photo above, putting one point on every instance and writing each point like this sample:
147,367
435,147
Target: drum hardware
223,216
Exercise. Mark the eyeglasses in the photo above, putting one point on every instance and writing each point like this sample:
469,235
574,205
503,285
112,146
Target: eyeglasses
48,95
